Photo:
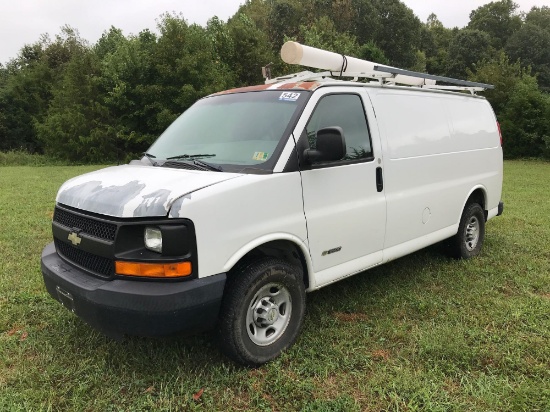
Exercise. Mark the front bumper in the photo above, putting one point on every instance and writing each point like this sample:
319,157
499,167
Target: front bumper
145,308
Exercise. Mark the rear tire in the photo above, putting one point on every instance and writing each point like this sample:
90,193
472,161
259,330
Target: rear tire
468,241
262,311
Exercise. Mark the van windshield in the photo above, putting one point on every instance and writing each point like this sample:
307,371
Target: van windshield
233,130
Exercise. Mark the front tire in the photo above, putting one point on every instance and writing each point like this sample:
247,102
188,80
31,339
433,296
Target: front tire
468,241
262,311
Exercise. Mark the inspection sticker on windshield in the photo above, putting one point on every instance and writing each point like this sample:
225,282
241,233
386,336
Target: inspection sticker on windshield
260,156
289,96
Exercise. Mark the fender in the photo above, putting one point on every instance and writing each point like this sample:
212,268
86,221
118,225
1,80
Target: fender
262,240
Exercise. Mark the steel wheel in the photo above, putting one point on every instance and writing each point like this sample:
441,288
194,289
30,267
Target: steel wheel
268,314
262,310
471,235
468,241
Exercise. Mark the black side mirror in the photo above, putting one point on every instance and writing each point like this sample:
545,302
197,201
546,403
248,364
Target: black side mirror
331,145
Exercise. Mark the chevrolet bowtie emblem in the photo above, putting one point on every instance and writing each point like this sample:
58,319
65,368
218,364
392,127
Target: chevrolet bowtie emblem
74,238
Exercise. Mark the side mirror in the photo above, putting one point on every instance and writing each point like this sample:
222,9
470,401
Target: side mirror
331,145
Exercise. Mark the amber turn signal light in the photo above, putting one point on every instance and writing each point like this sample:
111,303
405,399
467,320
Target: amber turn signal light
154,270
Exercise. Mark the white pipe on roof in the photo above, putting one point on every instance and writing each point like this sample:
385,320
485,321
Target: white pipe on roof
296,53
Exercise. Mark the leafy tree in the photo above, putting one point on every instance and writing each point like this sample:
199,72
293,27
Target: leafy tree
498,19
522,109
102,102
466,48
222,41
76,126
366,24
185,67
3,121
504,75
128,82
420,62
258,11
539,16
370,51
30,80
531,44
109,42
251,50
435,41
322,33
342,15
525,123
397,32
284,20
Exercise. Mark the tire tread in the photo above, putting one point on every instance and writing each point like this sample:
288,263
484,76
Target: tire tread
247,275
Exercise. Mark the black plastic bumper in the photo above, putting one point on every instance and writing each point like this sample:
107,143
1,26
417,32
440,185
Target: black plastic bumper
119,307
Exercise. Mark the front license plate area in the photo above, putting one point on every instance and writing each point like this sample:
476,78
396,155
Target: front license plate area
65,298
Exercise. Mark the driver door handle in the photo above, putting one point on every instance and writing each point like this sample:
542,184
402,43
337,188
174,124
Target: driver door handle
379,179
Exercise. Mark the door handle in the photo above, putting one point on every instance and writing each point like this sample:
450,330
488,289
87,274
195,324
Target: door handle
379,179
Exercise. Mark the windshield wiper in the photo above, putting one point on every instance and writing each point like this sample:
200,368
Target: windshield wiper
195,161
188,156
150,157
208,165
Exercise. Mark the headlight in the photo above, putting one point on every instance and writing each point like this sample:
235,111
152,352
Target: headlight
153,239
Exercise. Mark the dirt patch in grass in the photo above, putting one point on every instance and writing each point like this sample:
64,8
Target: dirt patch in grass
351,317
381,354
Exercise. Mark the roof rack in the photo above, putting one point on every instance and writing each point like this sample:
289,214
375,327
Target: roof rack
338,65
450,80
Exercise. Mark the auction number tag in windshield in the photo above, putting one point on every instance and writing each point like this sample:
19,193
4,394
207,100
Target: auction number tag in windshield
289,96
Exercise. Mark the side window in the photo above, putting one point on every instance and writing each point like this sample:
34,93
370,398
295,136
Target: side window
346,111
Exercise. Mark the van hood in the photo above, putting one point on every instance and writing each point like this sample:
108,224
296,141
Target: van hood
134,190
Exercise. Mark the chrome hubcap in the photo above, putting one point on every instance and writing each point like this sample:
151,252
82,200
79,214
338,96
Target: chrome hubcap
472,233
268,314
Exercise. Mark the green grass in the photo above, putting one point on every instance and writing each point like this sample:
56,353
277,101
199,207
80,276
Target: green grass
424,332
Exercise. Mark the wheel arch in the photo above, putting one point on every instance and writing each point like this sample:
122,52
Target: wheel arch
478,194
282,246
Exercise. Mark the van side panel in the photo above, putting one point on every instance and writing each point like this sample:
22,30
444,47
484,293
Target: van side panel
473,124
415,124
438,148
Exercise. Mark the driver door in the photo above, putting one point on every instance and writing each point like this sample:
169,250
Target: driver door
345,208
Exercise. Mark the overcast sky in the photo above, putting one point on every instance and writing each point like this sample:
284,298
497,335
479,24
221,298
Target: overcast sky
23,21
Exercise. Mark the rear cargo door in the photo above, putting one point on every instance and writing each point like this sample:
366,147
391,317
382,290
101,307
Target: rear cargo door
344,201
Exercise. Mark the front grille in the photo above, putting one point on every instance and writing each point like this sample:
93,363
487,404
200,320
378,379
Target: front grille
92,227
96,264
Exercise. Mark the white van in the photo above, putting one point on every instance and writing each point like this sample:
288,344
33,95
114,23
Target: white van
255,196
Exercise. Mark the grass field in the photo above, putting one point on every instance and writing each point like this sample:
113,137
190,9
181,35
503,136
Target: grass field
422,333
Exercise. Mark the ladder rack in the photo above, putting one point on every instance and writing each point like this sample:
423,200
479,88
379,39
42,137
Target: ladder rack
383,78
337,66
450,80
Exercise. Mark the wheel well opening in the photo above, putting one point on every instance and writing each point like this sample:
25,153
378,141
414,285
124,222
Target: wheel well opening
478,196
281,249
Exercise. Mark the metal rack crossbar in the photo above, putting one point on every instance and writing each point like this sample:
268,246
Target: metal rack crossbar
449,80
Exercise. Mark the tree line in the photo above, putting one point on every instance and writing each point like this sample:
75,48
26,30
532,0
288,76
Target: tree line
109,100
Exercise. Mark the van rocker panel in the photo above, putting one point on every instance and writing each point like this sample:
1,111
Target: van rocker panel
133,307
